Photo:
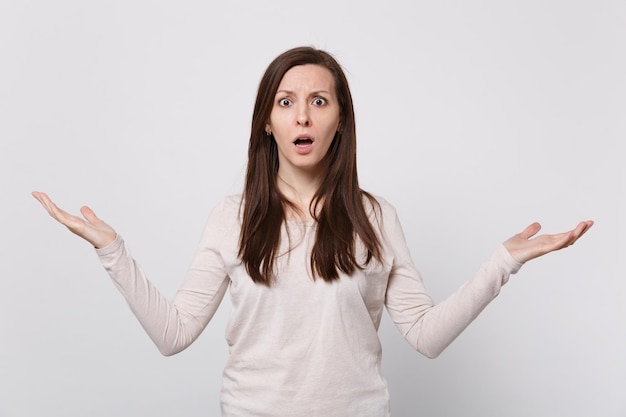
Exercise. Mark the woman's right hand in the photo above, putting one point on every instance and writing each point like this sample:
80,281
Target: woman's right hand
91,228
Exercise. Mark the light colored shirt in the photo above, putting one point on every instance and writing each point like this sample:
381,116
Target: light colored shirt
303,347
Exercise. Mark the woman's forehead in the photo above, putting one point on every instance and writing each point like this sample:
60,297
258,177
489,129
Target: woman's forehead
308,76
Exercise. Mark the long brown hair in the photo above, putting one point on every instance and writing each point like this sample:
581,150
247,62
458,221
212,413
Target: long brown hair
341,216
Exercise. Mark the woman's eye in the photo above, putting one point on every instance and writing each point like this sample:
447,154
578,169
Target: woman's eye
284,102
319,101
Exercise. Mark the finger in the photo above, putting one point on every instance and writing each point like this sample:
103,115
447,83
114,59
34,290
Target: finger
59,214
89,215
41,197
46,202
569,238
55,212
530,231
587,226
590,223
581,229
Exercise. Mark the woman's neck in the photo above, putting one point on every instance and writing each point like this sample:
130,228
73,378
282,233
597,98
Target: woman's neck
300,190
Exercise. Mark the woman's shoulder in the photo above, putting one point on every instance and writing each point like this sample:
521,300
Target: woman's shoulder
375,204
232,201
381,212
224,220
228,208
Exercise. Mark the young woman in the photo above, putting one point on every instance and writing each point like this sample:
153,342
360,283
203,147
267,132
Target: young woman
310,260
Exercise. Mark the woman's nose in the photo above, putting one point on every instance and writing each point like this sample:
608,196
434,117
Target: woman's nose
303,118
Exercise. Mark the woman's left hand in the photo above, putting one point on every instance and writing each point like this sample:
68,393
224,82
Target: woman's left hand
522,248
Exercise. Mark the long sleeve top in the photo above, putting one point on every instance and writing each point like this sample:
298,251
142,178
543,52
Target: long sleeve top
303,347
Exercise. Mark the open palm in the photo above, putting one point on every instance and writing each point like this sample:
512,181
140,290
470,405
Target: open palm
90,228
522,248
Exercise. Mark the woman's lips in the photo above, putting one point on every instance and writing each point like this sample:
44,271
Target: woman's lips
304,145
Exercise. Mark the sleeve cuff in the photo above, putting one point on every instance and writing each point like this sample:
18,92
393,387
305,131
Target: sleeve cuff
111,247
504,258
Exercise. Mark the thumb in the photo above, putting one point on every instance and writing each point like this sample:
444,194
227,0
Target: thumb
89,215
530,231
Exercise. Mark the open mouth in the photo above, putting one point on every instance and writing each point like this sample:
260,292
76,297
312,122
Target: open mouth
303,141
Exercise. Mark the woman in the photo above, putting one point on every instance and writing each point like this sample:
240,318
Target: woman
310,260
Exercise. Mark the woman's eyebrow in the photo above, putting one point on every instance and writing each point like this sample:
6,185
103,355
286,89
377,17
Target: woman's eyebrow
289,92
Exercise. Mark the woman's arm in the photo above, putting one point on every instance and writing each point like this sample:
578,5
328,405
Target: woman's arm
430,327
171,324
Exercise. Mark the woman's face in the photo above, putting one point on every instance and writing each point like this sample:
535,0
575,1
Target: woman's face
304,119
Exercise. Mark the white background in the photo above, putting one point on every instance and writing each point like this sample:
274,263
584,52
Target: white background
474,118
